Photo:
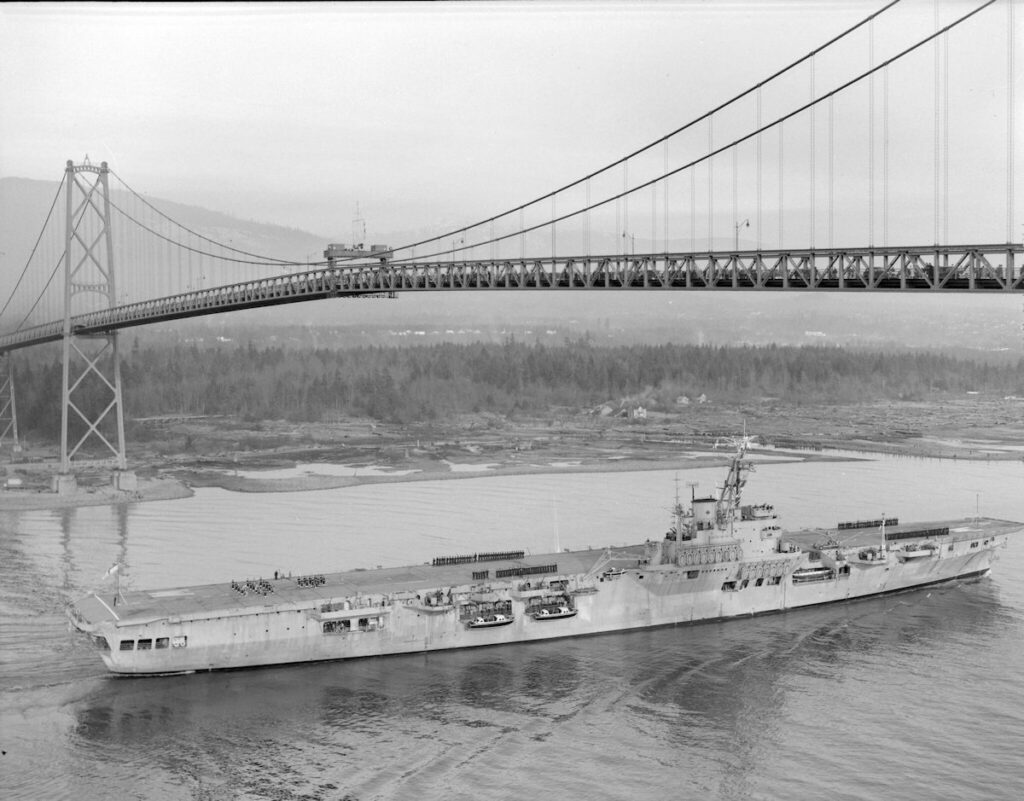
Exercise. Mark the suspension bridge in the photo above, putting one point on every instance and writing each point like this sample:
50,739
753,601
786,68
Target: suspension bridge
816,166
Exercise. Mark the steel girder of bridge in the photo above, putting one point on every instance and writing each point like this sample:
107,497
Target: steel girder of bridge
965,268
8,409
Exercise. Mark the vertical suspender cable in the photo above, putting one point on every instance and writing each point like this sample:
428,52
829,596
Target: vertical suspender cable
711,184
554,226
757,238
625,202
522,237
156,276
945,140
168,270
586,224
156,247
885,157
178,279
1009,125
143,245
151,244
782,173
664,202
935,133
693,210
619,235
735,191
871,137
811,148
654,217
831,172
132,255
128,265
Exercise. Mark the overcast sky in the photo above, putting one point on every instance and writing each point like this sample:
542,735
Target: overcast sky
429,114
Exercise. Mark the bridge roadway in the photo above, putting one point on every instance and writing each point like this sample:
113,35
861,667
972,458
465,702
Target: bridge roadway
965,268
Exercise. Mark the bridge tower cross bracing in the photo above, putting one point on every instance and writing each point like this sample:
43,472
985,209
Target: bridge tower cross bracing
8,409
91,363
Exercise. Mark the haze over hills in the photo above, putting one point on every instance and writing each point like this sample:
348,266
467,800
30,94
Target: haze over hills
962,321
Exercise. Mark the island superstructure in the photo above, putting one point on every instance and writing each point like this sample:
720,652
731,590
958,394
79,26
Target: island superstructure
719,559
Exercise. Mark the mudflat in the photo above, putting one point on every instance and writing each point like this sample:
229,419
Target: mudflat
172,456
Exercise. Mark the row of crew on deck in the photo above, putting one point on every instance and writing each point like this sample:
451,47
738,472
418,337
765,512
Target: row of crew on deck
311,581
260,586
491,556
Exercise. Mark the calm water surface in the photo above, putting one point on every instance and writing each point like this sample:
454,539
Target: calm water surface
909,697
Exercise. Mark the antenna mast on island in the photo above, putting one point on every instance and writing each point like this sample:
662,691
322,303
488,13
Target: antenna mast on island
358,230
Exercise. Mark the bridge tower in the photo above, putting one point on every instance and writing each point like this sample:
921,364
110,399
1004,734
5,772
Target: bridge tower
91,405
8,410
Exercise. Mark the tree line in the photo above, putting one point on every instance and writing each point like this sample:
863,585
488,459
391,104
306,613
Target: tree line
430,382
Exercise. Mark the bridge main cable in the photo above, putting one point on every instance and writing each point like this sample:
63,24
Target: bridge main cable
635,153
709,155
31,255
267,260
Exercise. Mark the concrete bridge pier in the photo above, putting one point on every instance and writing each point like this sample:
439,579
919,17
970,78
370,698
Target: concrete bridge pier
64,484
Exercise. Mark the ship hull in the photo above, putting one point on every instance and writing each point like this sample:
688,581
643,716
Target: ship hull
640,597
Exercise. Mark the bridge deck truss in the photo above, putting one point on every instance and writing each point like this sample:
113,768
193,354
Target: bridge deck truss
973,268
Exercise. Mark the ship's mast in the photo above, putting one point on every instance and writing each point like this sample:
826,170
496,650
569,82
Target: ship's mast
731,491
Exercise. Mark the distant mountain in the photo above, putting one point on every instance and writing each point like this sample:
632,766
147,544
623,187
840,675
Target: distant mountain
24,203
981,323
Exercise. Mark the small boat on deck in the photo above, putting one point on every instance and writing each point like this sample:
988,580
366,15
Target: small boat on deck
490,621
812,574
924,551
547,613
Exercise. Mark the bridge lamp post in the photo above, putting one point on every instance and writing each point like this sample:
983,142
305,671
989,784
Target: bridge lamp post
736,240
629,240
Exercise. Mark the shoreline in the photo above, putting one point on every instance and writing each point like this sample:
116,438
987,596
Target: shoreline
318,481
149,489
171,458
181,483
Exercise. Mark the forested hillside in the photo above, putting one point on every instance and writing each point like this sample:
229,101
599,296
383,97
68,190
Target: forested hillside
425,383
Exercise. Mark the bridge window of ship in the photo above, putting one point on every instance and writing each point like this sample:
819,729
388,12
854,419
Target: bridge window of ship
162,642
759,582
728,586
145,645
101,643
692,574
974,544
127,645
